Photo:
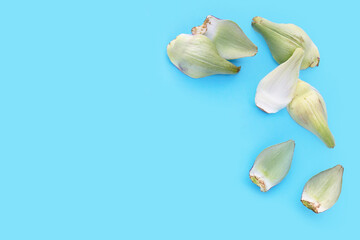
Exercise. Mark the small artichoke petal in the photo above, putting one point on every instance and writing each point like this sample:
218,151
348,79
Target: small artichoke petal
283,39
276,90
228,37
308,109
323,190
272,165
196,56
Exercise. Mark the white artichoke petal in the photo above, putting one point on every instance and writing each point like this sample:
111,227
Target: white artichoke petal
283,39
323,190
308,109
229,39
276,90
196,56
272,165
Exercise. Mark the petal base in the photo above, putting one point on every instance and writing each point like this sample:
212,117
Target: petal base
258,181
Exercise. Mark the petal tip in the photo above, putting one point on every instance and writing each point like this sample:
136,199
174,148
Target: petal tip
256,20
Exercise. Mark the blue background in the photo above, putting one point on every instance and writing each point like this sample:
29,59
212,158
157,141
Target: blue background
103,138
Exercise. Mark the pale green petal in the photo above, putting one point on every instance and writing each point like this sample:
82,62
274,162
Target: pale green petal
196,56
283,39
308,109
228,37
276,90
323,190
272,165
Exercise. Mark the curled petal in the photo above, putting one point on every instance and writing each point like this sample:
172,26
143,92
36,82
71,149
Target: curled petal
323,190
197,56
308,109
272,165
276,90
283,39
228,37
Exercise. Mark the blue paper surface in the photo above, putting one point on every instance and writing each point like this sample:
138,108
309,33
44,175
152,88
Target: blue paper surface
103,138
